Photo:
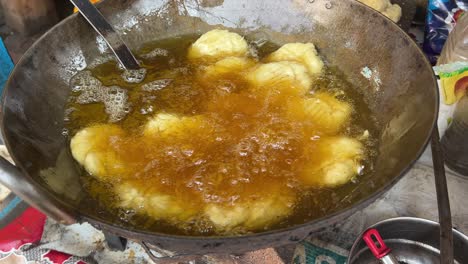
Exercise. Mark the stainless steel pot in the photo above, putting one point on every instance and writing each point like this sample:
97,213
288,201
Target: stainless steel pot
412,240
375,54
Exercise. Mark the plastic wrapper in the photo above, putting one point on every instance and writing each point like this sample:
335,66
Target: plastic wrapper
454,80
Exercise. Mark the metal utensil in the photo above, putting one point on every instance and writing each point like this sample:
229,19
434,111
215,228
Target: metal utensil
378,247
113,40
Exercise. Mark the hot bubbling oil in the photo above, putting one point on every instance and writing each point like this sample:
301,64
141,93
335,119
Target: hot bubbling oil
252,150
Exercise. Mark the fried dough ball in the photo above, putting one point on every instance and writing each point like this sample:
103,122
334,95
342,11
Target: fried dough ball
325,112
333,161
393,12
385,7
150,201
218,44
303,53
379,5
164,124
254,214
227,66
91,147
287,77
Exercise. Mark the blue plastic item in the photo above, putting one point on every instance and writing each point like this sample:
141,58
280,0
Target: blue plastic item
6,65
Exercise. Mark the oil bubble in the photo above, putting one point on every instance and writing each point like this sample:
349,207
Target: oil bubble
156,85
134,76
157,52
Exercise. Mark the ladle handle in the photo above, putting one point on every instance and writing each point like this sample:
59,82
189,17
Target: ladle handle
113,40
12,178
375,243
378,247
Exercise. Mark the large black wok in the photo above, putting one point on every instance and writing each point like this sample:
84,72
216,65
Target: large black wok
374,53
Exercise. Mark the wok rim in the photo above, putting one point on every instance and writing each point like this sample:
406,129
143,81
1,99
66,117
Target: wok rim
307,226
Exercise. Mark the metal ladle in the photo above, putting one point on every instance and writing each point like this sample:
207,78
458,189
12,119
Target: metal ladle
103,28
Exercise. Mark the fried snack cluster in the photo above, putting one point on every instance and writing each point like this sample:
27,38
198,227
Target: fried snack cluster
186,168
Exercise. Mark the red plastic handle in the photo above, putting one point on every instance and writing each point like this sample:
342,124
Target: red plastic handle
375,243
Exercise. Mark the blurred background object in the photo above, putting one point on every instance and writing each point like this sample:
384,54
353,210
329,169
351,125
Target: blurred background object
29,17
421,7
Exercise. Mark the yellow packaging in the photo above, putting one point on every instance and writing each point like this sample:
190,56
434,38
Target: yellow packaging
454,80
92,1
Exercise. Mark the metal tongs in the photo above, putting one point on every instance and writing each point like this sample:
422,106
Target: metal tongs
103,28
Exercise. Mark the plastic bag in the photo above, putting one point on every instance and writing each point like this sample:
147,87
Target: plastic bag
442,15
456,46
6,65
